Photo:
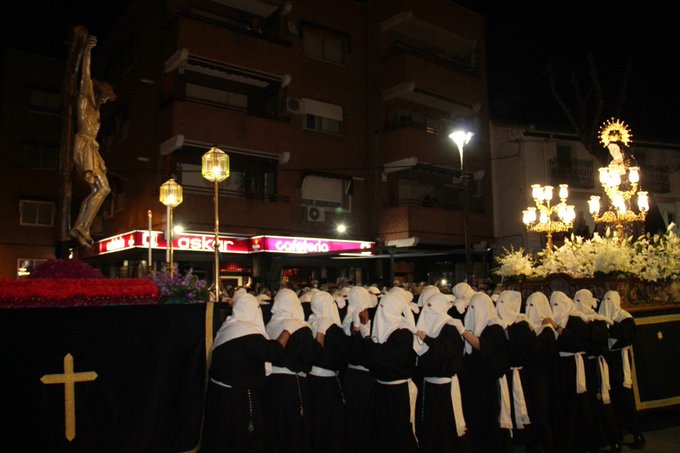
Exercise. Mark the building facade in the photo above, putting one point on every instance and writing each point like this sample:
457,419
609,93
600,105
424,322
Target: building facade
331,113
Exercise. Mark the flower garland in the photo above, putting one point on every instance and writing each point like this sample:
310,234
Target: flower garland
75,292
649,258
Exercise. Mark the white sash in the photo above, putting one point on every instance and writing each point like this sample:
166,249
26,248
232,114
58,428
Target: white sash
519,402
284,370
580,370
322,372
357,367
504,418
412,395
604,380
456,401
625,360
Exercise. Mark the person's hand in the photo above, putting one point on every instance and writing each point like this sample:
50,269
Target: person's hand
91,42
320,338
458,324
363,316
283,338
421,335
549,321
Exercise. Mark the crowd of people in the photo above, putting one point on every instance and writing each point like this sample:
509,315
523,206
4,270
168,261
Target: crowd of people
438,369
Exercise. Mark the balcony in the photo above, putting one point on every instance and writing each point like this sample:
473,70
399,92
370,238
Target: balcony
577,173
655,178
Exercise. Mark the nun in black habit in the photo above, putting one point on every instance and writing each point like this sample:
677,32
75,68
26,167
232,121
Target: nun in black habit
326,399
485,362
440,423
286,390
234,416
392,363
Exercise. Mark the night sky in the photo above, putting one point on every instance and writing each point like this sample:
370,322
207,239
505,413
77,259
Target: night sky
523,38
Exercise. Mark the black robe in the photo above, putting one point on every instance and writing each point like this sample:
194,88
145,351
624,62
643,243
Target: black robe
231,413
605,430
539,370
326,399
520,344
357,386
479,386
435,421
392,360
287,396
572,415
623,399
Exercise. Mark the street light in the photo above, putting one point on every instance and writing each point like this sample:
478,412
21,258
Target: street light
171,197
215,168
461,137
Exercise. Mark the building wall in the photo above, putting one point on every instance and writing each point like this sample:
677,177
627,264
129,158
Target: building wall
30,137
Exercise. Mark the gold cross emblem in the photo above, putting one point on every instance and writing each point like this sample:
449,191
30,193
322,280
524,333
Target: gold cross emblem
69,378
659,335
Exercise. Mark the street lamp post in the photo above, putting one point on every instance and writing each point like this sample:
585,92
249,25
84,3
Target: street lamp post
461,137
171,197
215,168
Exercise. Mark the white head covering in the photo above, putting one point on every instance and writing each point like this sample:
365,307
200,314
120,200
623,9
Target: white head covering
509,306
585,303
389,317
480,313
238,293
537,309
432,319
563,307
462,293
407,297
246,319
263,298
324,312
427,292
359,299
611,307
287,314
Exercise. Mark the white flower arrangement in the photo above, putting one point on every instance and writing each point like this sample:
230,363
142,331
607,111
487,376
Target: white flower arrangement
649,258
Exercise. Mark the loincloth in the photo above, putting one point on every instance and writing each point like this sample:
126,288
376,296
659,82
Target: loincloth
87,159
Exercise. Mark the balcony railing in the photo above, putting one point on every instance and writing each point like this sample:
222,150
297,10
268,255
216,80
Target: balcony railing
575,172
655,178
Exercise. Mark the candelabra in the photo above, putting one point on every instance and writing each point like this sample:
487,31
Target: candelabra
546,217
620,181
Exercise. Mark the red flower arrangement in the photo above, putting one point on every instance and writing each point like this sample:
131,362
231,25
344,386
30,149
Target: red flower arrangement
72,283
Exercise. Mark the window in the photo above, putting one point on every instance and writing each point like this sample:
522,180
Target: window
41,156
250,176
328,192
322,116
36,213
26,265
43,101
217,96
325,44
319,123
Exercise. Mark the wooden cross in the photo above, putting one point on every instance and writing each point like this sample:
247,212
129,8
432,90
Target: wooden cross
69,378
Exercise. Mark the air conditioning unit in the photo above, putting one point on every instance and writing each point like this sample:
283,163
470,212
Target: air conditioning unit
315,214
294,105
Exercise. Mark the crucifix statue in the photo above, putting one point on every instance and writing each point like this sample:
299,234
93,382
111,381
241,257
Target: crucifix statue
82,101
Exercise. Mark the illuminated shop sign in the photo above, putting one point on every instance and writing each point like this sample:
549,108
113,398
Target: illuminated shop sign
286,244
197,242
185,241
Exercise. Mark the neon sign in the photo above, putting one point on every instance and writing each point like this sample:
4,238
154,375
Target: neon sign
197,242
